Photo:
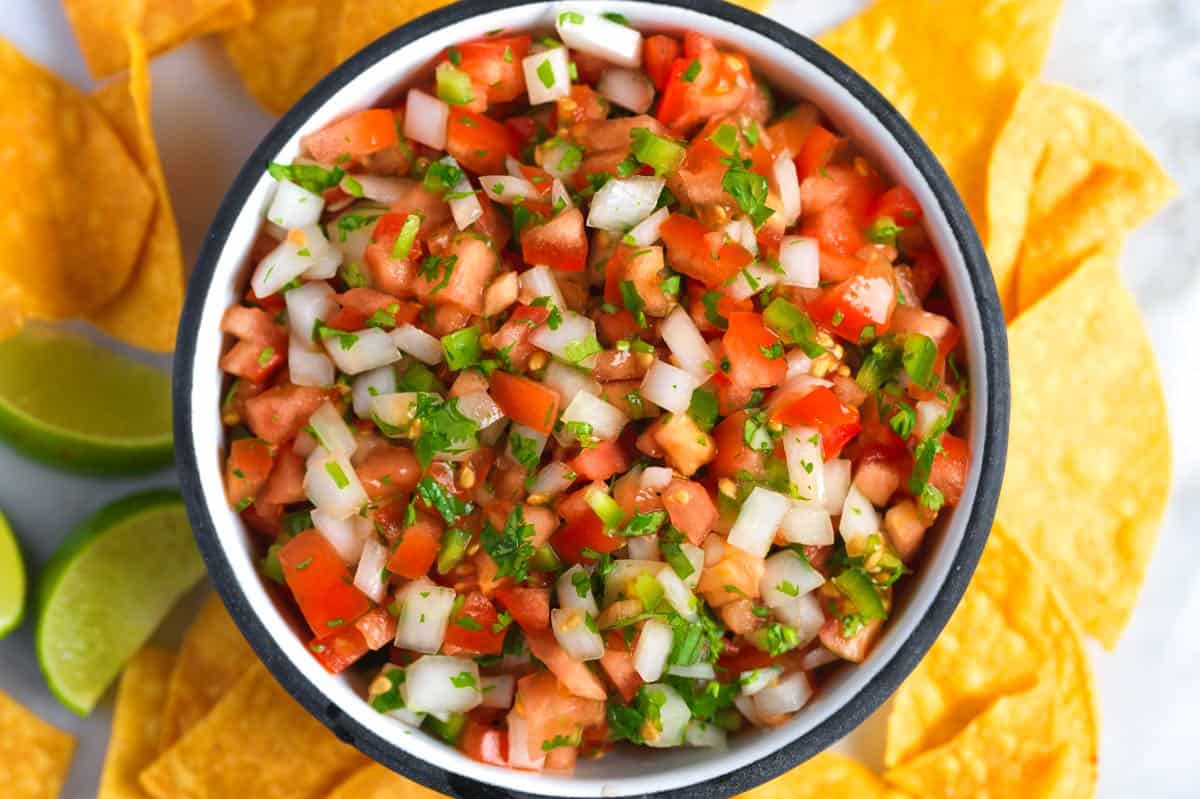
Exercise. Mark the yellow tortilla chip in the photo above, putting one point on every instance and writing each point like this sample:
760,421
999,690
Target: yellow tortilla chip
954,70
753,5
133,742
286,49
364,21
146,313
1089,452
379,782
1041,742
1067,178
214,655
100,26
827,775
34,756
257,742
78,206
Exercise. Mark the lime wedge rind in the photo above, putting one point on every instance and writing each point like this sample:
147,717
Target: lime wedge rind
12,580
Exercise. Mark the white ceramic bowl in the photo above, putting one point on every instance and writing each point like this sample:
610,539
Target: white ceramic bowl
794,65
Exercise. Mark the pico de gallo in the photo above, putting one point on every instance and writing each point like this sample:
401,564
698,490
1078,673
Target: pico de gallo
594,392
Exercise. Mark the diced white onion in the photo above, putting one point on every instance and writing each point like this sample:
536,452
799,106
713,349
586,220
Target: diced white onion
464,205
808,524
331,484
754,278
673,714
352,244
745,706
702,733
568,593
787,186
518,744
372,384
701,670
656,478
678,595
498,691
690,349
345,536
305,306
574,635
381,188
653,647
625,572
441,684
802,449
554,478
816,657
559,196
304,445
513,166
294,206
757,521
607,422
307,368
368,577
557,81
281,266
554,152
668,387
424,614
331,431
369,349
787,695
804,615
324,259
539,282
539,440
603,38
566,339
859,519
416,342
929,413
628,88
837,484
695,556
426,119
622,203
798,364
643,547
479,407
395,410
646,232
569,381
786,582
506,189
741,231
800,258
753,681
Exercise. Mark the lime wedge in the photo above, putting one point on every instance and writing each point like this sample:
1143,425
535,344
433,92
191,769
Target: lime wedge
107,589
73,404
12,580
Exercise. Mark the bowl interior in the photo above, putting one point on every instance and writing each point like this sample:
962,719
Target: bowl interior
627,771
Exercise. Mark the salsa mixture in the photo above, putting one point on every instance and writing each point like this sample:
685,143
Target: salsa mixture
591,393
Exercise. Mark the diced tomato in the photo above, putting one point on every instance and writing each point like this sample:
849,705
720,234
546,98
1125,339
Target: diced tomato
791,131
553,711
856,647
495,62
250,324
583,104
818,149
484,743
378,628
736,576
321,584
524,128
836,229
278,414
246,470
560,243
339,651
691,509
900,205
359,134
819,407
252,361
617,663
479,143
526,401
602,461
286,483
614,327
733,454
864,300
720,84
585,533
741,656
943,332
263,518
358,305
473,628
574,674
755,353
530,607
701,253
949,472
574,506
673,94
417,549
388,472
658,54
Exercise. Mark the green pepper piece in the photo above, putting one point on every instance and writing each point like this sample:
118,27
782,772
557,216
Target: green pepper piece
793,325
858,588
920,353
453,549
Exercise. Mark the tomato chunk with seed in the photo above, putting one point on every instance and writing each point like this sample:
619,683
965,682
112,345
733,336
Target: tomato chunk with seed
321,584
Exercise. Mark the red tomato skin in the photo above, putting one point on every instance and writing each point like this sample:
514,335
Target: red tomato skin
485,744
586,532
865,299
602,461
900,205
658,55
321,584
378,628
279,413
691,509
560,243
530,607
949,472
836,229
479,143
362,133
247,470
837,422
733,455
477,610
818,148
749,366
417,549
701,253
339,651
526,401
496,63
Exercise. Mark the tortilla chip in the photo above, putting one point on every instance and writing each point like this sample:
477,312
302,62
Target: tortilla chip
146,313
1041,742
1089,452
212,658
364,21
133,742
34,756
257,742
286,49
78,206
100,26
379,782
1067,178
753,5
954,70
827,775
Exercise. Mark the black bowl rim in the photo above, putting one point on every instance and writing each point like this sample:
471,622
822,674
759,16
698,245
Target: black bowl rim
875,692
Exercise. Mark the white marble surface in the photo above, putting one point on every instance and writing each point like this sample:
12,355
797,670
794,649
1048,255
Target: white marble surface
1140,56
